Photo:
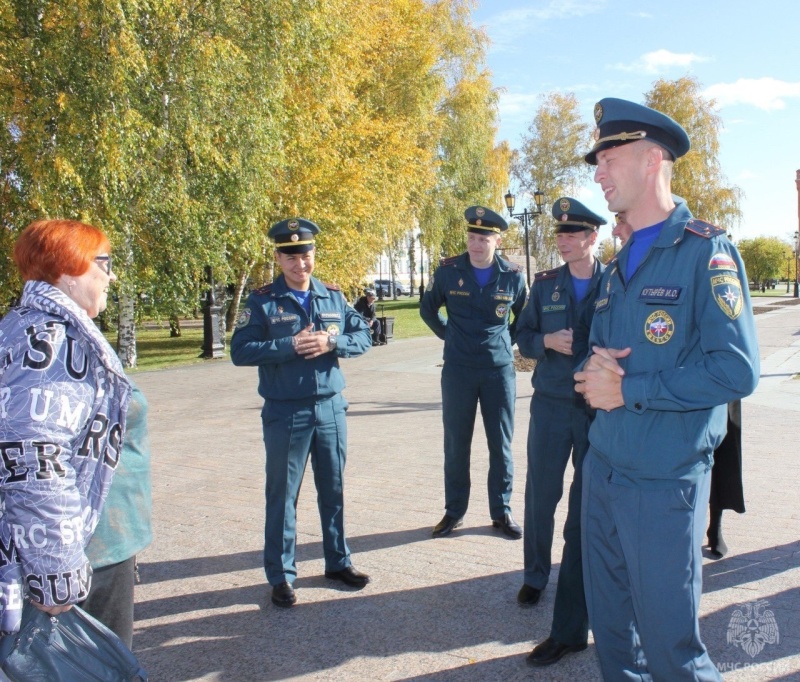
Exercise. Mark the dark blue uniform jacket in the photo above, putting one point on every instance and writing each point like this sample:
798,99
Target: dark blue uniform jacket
478,331
552,307
687,316
263,337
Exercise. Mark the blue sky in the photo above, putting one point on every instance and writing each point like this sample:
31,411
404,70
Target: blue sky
745,55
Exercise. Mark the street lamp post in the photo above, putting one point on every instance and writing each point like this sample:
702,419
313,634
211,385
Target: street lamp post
797,238
796,274
422,268
789,260
526,217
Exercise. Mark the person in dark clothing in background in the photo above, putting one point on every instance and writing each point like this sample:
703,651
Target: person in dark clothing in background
365,306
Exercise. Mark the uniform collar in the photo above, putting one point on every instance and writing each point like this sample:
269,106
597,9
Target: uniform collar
674,226
502,264
317,288
597,270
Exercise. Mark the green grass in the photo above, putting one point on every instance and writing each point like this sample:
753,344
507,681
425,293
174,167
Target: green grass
772,293
157,350
405,311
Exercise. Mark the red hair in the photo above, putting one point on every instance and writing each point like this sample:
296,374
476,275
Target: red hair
47,249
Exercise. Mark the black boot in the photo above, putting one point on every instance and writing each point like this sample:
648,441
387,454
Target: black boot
716,543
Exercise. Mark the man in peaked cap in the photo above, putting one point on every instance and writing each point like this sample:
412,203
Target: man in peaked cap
559,424
480,292
672,340
295,330
620,122
365,306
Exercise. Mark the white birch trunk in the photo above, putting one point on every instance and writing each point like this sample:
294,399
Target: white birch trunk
126,331
233,308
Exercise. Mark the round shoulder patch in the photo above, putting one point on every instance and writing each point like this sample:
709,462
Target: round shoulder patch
244,318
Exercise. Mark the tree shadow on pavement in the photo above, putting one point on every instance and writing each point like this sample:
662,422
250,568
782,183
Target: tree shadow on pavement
738,569
214,636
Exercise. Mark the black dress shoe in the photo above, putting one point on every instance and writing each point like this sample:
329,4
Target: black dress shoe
528,596
283,595
349,576
447,525
508,526
550,651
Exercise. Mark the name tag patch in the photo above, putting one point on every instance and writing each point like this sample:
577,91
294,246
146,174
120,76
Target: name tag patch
283,318
331,316
660,292
554,308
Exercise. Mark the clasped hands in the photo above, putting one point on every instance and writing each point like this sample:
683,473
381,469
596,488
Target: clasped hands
600,380
560,341
311,344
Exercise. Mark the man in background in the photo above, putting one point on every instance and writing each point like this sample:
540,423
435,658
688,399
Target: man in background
481,292
365,306
295,330
559,424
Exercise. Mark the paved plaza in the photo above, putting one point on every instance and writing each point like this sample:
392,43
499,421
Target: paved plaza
441,609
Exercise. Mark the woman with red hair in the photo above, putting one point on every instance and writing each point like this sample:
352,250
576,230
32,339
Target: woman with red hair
63,403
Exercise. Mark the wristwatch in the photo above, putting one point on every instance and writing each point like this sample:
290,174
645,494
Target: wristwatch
331,342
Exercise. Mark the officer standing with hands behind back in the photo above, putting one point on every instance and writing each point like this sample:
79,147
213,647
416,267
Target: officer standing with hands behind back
559,424
480,292
295,330
672,341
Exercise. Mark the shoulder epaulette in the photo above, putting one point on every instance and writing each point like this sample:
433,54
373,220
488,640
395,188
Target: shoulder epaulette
263,290
545,274
331,287
513,267
448,261
703,229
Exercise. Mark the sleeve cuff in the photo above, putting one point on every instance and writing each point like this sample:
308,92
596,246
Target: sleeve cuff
634,394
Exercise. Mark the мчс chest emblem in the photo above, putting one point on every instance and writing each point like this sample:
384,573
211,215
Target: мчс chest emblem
332,329
555,296
659,327
501,310
727,292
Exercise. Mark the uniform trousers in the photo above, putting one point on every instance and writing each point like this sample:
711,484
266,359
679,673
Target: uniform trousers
642,568
293,430
495,388
110,598
559,429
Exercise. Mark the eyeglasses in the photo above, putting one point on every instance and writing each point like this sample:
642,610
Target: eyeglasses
104,263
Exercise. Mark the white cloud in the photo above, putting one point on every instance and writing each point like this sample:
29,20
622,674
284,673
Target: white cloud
660,60
506,28
767,94
746,175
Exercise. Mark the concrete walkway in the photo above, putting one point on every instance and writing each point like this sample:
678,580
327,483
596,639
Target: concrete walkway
437,609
